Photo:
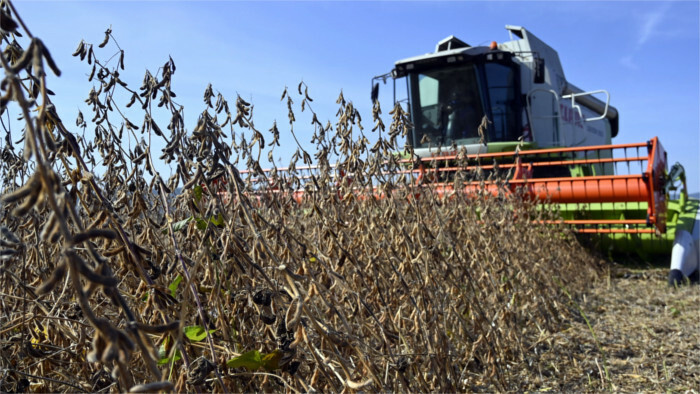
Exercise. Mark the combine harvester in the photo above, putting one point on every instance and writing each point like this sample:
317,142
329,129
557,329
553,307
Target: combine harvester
555,141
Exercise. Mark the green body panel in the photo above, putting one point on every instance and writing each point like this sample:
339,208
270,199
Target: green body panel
496,147
680,214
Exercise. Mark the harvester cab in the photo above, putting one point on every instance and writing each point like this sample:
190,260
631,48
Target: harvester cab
510,105
519,85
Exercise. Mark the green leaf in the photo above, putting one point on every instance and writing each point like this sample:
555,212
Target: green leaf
177,226
198,191
168,360
251,360
162,353
196,333
271,360
675,312
217,220
201,224
173,286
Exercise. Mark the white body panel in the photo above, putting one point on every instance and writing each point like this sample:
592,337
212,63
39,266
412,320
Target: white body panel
553,120
576,130
685,255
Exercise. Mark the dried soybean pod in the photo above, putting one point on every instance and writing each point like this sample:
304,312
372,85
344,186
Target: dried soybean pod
23,191
131,102
49,59
27,204
9,235
290,319
101,217
6,253
53,280
49,228
24,60
84,52
98,347
113,252
197,175
125,341
94,233
141,250
55,235
306,93
123,357
90,288
106,39
90,55
110,353
160,329
80,48
152,387
89,274
140,158
155,127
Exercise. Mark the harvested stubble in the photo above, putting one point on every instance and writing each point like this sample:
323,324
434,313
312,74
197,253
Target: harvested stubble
649,333
342,291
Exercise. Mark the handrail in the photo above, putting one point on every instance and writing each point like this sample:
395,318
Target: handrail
590,93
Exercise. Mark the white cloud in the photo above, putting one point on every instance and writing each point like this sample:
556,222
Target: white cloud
648,29
650,24
628,62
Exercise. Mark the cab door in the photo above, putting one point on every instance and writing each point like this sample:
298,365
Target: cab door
503,96
543,113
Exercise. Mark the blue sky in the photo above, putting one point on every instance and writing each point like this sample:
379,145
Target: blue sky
646,54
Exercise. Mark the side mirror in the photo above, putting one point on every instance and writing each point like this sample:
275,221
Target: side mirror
375,85
539,70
